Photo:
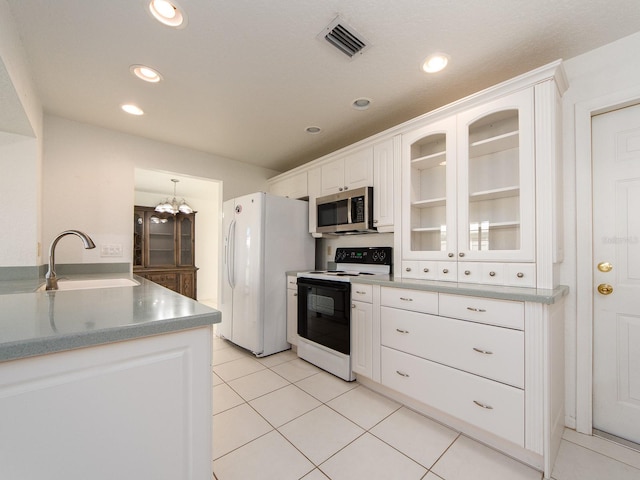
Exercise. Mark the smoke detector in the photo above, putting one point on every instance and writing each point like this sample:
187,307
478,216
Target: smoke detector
342,36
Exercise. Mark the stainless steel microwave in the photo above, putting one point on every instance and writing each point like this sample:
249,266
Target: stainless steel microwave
350,211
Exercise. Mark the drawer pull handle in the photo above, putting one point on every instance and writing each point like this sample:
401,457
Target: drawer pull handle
479,350
295,294
520,275
360,293
406,299
402,374
488,407
292,283
476,309
408,269
399,330
492,274
445,270
425,270
467,272
353,305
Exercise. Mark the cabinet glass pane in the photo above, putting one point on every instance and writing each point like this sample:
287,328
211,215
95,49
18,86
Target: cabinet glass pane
186,245
494,182
161,240
138,235
428,194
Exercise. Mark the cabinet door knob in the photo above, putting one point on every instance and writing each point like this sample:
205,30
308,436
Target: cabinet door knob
425,270
467,272
353,305
346,188
295,294
375,221
445,270
450,255
408,269
339,189
461,254
520,275
492,274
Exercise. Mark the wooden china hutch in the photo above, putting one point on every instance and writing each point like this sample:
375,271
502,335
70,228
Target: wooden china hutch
163,249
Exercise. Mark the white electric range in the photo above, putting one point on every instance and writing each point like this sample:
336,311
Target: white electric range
324,307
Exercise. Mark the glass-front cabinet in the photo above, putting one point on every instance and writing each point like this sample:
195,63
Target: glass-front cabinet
496,180
469,191
163,249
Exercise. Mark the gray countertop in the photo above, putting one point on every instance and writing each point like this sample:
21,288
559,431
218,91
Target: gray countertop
35,323
521,294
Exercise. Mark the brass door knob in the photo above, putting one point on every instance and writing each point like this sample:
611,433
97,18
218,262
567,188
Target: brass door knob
605,267
605,289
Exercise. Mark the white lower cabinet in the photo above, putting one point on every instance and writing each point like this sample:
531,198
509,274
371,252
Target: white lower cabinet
139,408
493,406
292,310
491,366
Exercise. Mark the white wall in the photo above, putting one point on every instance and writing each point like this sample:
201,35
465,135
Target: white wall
89,181
595,75
20,200
20,151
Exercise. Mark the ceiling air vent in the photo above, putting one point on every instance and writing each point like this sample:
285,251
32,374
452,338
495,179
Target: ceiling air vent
344,38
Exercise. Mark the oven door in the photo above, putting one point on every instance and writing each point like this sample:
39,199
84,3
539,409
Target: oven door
324,316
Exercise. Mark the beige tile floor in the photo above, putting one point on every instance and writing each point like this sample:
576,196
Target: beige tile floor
282,418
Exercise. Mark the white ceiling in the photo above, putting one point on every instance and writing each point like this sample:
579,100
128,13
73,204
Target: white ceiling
245,77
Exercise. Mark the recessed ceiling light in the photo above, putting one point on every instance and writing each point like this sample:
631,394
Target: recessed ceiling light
132,109
147,74
168,13
361,103
313,130
435,63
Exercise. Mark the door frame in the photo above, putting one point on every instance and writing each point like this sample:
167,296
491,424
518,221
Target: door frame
584,111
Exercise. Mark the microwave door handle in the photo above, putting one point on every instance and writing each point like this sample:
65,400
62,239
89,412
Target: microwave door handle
349,210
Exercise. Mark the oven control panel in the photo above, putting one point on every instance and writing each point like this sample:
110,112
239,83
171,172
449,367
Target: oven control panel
364,255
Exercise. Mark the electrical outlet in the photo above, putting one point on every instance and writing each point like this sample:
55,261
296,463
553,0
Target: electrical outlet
112,250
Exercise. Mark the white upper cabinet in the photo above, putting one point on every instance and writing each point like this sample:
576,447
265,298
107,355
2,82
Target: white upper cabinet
473,176
429,192
383,185
496,180
292,186
348,172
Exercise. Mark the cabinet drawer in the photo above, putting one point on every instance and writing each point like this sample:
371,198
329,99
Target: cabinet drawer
490,405
362,293
292,282
416,300
504,313
521,274
492,352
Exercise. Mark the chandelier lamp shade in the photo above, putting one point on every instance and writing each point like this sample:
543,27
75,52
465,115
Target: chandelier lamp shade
172,206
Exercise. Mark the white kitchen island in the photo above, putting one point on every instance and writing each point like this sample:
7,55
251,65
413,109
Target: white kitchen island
105,383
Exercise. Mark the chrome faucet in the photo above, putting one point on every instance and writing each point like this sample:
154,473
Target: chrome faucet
52,280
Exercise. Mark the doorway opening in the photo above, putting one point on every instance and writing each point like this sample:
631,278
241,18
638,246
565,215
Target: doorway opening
204,195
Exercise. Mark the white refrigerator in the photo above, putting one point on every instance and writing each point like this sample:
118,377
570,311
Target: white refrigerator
264,237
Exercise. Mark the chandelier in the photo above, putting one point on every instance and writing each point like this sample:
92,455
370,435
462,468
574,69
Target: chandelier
173,206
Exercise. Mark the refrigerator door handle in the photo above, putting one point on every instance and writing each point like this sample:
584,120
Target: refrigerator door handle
230,253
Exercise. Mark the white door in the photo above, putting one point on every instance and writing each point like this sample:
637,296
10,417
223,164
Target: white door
616,266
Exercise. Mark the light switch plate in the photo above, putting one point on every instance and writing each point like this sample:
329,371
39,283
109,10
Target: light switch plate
112,250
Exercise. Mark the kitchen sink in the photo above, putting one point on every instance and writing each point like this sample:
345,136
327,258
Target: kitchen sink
87,284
